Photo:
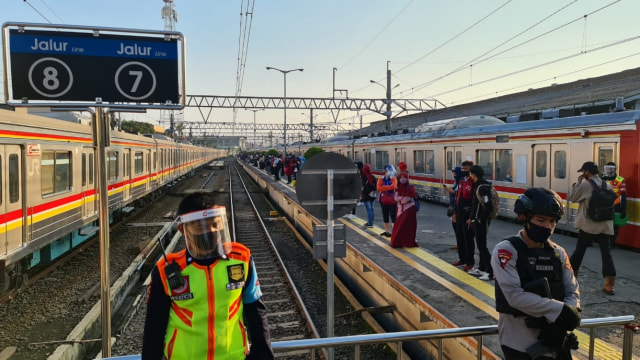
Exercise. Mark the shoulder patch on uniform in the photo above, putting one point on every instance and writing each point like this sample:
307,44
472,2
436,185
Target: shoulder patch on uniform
504,256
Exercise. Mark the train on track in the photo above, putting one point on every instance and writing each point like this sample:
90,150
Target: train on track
514,156
48,184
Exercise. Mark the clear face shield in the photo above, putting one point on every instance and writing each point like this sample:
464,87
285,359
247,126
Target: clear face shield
206,232
609,170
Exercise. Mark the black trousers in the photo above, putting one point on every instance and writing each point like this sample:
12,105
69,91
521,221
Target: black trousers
480,230
585,240
466,246
512,354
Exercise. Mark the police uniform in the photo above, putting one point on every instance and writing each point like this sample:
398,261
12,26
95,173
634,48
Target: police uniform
205,312
514,304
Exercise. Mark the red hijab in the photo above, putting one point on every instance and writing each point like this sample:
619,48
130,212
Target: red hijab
402,188
366,171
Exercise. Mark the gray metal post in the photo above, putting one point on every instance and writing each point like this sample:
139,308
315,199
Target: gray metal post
101,134
330,259
388,96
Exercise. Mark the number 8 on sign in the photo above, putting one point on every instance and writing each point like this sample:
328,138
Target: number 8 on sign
50,77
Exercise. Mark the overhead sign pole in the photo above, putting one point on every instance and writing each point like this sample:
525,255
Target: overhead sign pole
92,69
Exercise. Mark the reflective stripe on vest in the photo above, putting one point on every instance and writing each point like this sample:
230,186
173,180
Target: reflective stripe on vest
207,310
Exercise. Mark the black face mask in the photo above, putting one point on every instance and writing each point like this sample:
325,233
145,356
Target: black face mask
465,173
537,233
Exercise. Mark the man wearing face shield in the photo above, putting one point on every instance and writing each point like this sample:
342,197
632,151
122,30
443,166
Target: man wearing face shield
537,295
620,188
200,297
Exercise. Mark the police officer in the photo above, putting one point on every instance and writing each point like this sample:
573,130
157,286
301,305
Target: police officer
537,295
620,188
199,296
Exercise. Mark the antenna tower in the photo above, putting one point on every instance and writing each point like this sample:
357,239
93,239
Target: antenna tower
171,117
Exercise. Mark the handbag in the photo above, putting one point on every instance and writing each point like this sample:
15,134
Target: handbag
386,199
450,210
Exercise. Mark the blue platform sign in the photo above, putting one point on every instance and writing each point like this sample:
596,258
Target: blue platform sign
75,66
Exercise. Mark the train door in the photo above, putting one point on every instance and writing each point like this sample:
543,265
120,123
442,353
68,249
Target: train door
88,188
452,158
400,155
11,217
551,167
126,166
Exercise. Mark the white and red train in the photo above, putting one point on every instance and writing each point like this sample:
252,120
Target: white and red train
514,156
48,186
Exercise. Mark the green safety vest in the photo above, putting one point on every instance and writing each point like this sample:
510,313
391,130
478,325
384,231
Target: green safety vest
205,320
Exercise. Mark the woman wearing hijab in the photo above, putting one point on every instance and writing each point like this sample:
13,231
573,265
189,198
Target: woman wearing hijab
368,193
404,231
386,186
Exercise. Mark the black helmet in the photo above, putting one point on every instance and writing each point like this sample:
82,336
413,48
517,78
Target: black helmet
539,201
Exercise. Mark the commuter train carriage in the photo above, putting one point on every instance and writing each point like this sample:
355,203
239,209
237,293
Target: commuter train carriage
48,201
514,156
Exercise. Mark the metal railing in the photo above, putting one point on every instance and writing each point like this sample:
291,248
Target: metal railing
479,331
314,345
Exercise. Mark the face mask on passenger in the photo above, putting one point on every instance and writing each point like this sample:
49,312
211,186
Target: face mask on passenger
404,180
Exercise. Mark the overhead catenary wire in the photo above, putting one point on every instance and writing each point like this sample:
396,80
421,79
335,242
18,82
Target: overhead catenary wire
244,35
425,84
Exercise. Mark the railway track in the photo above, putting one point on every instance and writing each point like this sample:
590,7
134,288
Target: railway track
288,317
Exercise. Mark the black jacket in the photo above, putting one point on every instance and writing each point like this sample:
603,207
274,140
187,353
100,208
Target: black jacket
481,211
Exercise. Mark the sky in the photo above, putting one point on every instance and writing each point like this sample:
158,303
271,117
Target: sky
454,52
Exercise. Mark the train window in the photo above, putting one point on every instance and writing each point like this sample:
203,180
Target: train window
148,162
504,165
90,169
14,178
126,163
55,169
84,169
382,159
112,165
605,155
423,161
486,160
560,164
155,158
541,163
138,163
367,157
1,179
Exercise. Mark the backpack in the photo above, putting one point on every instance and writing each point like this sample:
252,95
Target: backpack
495,200
601,204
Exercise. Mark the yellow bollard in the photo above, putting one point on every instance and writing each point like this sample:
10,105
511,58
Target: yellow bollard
293,183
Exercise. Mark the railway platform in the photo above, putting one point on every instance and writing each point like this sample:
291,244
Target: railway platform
421,284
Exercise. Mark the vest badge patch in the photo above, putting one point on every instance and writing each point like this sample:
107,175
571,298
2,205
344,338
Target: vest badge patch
235,274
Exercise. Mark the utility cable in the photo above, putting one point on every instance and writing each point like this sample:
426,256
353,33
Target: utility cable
545,64
423,85
36,10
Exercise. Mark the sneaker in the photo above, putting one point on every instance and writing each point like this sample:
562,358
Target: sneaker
475,272
458,263
467,268
486,276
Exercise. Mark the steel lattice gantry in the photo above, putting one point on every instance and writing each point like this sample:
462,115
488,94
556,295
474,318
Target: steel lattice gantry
399,106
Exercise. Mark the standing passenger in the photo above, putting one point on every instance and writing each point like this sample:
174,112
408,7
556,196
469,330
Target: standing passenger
451,211
202,300
386,186
466,247
591,231
481,208
404,230
368,193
